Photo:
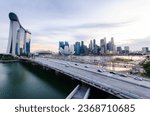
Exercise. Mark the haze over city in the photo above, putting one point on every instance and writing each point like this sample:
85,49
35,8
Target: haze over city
51,21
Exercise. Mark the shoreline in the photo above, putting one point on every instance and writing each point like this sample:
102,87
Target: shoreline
8,61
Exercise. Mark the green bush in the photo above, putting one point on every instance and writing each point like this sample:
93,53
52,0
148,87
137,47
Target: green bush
7,57
147,68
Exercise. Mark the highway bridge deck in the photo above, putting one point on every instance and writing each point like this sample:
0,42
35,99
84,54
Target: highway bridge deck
123,86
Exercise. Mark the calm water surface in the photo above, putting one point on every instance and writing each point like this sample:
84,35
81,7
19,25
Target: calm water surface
30,82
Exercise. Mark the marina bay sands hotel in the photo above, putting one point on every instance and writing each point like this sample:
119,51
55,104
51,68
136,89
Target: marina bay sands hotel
19,38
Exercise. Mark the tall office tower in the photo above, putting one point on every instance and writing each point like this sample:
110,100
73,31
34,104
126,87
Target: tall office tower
95,47
90,45
103,46
112,40
77,48
82,43
109,46
82,47
86,50
94,44
113,45
19,38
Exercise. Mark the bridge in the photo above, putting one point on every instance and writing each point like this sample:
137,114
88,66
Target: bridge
120,85
79,92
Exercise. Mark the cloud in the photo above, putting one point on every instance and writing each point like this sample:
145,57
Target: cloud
103,25
137,43
75,20
62,29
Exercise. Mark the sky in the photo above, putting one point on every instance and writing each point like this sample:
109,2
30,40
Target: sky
51,21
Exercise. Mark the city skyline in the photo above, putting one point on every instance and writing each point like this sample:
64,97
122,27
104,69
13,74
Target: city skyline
127,21
103,47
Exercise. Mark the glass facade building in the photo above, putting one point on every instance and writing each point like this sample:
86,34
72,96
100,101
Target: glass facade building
77,48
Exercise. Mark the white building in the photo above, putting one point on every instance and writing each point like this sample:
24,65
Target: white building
68,50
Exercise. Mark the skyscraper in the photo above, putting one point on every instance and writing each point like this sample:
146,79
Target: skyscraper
82,50
90,46
94,45
103,46
111,46
77,48
19,38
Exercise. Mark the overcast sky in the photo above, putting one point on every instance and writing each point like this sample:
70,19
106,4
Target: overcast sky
51,21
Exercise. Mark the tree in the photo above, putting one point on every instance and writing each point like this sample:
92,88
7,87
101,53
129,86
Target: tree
147,68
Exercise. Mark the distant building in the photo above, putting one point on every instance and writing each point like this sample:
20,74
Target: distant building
96,50
66,43
86,50
77,48
119,50
65,49
109,46
95,47
103,46
94,44
61,44
90,46
68,50
113,44
82,51
145,49
126,50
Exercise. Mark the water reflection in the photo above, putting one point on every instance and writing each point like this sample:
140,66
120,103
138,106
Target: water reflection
16,81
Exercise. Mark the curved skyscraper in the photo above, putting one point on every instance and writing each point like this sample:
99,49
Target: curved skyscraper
19,38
